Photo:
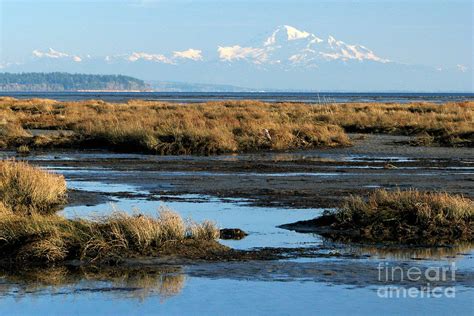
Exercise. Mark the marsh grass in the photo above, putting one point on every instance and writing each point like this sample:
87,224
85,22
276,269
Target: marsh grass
449,124
11,133
52,238
27,189
163,128
23,150
406,217
230,126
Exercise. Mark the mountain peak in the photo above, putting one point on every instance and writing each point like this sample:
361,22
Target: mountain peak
294,34
289,33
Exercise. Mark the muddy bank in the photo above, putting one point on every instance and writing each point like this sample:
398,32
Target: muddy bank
309,179
88,198
193,252
324,226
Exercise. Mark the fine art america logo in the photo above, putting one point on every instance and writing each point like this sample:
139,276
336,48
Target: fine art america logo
427,281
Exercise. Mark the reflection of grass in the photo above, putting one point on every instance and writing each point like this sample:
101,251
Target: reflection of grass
406,253
137,283
164,281
404,216
171,285
29,232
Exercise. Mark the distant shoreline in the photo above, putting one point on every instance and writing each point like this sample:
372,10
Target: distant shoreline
111,91
122,96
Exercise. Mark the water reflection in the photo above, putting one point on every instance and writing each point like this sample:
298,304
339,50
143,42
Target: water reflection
136,283
400,253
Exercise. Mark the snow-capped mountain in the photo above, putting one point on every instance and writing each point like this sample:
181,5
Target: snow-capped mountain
289,46
286,46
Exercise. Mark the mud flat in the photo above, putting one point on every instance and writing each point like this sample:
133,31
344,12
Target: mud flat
307,179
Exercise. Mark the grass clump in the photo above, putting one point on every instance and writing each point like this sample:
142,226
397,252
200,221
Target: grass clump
23,150
112,236
26,189
409,217
52,238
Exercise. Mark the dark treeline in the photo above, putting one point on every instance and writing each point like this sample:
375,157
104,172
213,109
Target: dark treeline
60,81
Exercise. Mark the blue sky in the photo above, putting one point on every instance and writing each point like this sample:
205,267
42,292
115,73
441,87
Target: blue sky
435,33
422,32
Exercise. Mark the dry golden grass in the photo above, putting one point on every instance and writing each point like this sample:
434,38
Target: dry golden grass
11,133
165,128
26,189
4,209
205,230
449,124
408,216
23,150
52,238
231,126
426,206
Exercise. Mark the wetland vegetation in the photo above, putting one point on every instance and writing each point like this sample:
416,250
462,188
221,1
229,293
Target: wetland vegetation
402,217
223,127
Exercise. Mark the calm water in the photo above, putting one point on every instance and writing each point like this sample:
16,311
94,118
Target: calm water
310,97
210,296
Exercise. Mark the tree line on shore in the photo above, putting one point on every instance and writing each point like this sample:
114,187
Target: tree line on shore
60,81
